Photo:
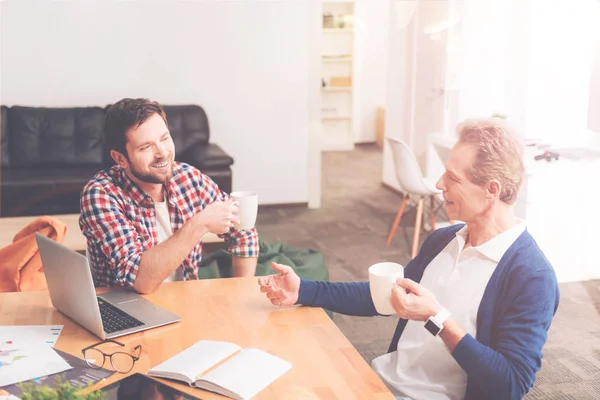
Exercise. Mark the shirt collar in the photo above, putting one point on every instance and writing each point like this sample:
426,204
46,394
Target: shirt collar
495,248
137,195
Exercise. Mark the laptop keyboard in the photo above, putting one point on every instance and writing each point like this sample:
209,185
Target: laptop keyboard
114,319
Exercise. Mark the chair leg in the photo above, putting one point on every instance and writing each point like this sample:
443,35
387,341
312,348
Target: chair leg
397,220
432,213
417,233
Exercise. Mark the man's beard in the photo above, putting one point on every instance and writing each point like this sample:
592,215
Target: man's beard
150,177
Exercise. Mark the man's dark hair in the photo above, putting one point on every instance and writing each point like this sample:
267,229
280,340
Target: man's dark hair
124,115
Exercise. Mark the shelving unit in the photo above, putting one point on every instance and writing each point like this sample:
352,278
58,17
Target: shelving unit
337,93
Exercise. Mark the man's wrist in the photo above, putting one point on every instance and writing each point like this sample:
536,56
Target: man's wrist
435,323
199,226
435,309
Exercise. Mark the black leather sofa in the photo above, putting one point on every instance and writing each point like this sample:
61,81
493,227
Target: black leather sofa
49,154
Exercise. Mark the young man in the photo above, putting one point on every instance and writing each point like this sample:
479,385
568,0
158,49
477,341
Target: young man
145,217
478,299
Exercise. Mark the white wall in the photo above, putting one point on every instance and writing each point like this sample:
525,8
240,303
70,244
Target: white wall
399,84
244,62
430,76
594,106
560,64
416,73
372,27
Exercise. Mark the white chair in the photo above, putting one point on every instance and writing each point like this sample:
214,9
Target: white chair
414,185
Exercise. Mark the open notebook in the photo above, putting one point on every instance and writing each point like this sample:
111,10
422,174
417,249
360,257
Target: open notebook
223,368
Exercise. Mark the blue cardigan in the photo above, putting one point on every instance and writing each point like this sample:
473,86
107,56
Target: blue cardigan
515,313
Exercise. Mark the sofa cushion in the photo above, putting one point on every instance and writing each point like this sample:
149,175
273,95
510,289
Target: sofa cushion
52,137
39,191
188,125
39,177
4,154
44,199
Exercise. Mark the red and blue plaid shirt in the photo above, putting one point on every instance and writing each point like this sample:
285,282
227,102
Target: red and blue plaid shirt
119,221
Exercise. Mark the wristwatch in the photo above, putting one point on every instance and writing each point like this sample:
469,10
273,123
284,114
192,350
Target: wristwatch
435,324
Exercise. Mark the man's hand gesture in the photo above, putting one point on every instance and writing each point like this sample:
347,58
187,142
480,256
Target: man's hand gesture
282,289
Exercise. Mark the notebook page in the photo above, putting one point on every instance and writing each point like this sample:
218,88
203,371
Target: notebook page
197,358
248,372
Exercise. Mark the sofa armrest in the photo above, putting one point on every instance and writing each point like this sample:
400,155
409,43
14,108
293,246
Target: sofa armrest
206,157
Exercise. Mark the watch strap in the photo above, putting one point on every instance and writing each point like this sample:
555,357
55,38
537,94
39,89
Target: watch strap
441,317
435,324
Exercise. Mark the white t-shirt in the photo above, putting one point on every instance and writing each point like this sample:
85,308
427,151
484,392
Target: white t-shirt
164,230
423,367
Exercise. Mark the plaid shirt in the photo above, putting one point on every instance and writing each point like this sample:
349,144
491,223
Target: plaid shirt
118,219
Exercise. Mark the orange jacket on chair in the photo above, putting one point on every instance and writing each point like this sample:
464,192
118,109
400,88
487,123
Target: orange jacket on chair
20,263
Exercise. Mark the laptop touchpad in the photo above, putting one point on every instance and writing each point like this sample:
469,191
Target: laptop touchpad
141,309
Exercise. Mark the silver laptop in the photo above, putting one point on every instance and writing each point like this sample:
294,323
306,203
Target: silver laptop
72,292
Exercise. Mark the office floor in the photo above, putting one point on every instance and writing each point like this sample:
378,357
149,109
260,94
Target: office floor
350,230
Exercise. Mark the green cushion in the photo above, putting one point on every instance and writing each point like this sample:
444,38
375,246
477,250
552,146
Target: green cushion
308,264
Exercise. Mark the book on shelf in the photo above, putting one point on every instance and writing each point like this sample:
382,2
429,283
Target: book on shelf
340,81
224,368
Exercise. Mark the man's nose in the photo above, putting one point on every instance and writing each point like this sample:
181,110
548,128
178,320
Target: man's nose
161,151
439,184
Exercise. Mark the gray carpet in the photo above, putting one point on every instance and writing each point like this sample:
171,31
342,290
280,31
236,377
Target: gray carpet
351,229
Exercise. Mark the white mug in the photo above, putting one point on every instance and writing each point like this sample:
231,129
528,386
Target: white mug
382,277
247,204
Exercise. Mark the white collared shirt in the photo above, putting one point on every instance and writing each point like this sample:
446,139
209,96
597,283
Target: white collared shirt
423,367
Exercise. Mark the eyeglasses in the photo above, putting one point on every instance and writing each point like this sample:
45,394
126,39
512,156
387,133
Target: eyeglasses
121,362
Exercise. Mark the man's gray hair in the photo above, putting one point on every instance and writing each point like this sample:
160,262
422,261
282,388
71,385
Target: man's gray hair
498,154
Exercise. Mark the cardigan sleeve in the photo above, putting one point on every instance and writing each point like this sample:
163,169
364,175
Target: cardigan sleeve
350,298
354,298
508,370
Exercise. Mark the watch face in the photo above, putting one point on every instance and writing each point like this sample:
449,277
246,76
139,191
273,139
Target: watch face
432,328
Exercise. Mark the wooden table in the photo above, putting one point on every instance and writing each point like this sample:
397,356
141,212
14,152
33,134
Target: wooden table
74,239
325,364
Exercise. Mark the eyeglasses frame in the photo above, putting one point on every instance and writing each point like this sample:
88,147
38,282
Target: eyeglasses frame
135,358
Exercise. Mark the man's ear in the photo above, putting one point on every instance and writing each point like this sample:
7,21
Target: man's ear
119,158
494,188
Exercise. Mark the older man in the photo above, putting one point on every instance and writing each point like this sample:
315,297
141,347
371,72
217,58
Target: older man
145,217
478,299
